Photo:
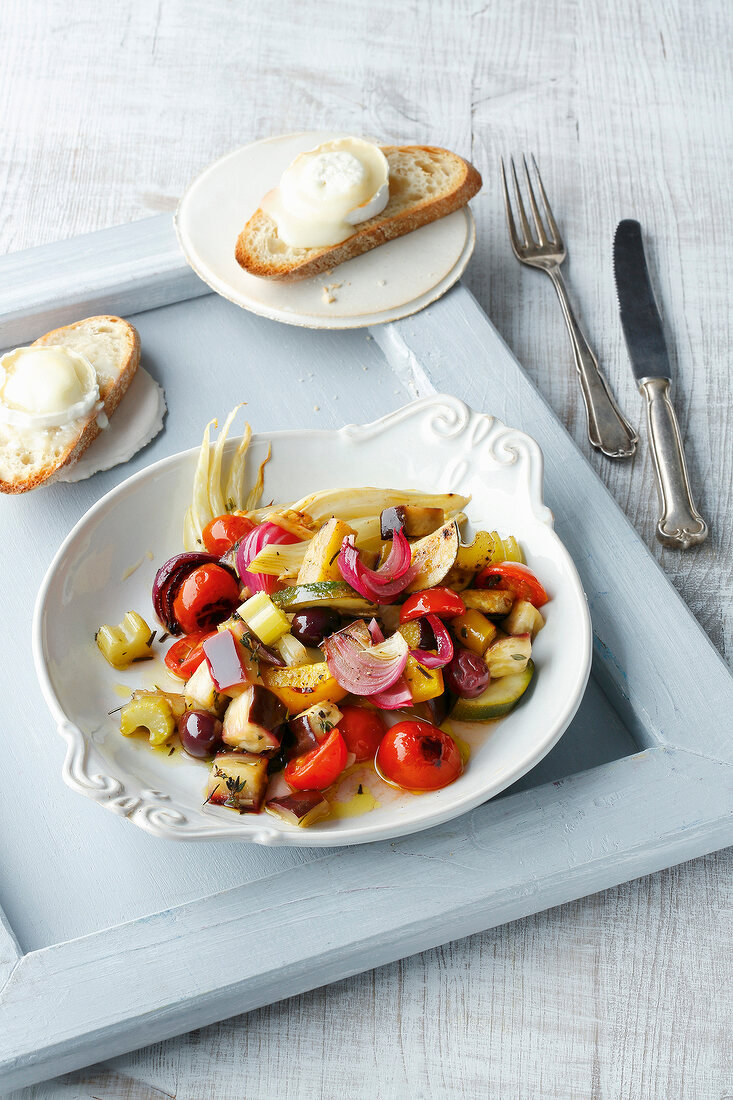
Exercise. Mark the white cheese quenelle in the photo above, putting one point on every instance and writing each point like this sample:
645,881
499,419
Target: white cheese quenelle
327,191
44,388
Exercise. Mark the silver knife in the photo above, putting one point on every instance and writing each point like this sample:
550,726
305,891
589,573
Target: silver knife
680,523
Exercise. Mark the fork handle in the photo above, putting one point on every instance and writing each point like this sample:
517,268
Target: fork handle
608,429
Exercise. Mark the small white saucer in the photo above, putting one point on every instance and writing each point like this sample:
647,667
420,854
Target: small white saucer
385,284
137,419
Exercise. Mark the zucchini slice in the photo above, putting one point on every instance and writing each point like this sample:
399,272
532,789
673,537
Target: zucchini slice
499,698
336,594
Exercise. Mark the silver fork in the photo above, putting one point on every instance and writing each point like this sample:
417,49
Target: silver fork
608,429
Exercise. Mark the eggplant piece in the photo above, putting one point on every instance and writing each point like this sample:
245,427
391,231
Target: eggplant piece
413,521
437,709
251,721
255,653
312,726
239,780
200,692
279,759
524,618
227,661
433,710
301,808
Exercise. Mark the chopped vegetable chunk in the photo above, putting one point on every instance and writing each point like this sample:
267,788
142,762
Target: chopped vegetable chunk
128,642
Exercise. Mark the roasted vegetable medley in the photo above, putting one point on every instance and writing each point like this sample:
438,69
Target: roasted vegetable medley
347,628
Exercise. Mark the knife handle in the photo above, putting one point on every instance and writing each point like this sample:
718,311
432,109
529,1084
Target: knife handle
680,524
608,430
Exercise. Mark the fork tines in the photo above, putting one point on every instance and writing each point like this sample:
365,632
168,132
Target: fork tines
551,241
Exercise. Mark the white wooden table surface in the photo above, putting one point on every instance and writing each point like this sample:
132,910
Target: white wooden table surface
108,110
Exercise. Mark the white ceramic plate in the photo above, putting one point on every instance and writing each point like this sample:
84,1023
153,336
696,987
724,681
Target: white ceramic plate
435,444
390,282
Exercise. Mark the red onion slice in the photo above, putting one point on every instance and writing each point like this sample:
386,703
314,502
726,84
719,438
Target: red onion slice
381,585
365,669
375,632
399,695
443,643
263,535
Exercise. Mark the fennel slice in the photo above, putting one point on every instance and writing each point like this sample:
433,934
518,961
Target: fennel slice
255,493
234,491
349,504
200,508
216,496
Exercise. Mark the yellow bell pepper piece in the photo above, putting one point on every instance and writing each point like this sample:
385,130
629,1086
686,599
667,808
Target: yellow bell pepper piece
474,631
302,686
424,683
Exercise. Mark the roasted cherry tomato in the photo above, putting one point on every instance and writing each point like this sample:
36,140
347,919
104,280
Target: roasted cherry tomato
512,576
443,602
206,598
320,767
221,534
362,730
185,655
419,757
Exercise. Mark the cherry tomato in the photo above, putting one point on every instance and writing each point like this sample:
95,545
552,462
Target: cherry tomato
362,730
419,757
512,576
433,601
221,534
320,767
206,598
185,655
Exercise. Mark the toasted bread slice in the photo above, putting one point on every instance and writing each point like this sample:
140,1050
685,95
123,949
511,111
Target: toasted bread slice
425,183
32,458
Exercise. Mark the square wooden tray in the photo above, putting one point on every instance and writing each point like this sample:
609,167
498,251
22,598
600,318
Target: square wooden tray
112,939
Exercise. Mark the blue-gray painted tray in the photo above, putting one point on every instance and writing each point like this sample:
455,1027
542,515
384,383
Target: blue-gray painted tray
113,939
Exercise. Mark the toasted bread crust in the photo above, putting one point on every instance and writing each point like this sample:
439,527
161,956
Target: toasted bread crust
370,234
110,395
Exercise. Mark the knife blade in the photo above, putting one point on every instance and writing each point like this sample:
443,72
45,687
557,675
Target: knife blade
640,317
680,524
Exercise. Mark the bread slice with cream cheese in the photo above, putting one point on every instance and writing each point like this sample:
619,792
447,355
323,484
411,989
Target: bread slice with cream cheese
35,456
425,183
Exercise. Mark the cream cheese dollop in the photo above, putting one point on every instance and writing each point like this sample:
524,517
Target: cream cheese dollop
46,387
327,191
